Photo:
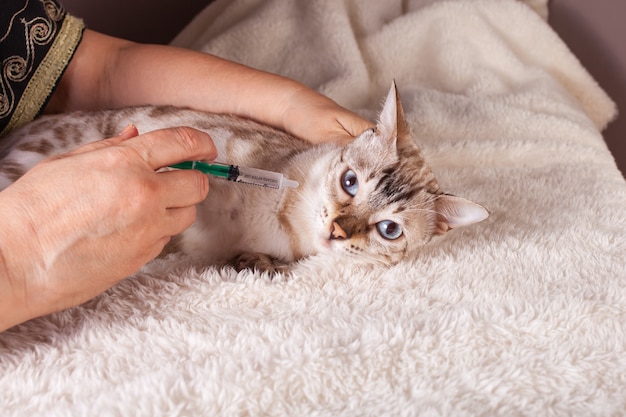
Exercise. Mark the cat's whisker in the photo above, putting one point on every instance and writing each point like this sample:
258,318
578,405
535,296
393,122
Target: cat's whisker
372,259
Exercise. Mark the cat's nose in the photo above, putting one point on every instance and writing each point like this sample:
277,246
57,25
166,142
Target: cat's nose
337,232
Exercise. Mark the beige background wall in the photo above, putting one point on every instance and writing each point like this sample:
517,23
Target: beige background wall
596,33
594,30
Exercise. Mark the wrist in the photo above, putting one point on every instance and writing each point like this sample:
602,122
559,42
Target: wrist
302,108
10,306
13,304
18,265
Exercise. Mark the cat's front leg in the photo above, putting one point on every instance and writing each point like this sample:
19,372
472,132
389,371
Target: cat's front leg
259,262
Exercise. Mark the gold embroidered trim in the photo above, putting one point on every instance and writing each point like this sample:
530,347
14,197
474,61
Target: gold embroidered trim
47,75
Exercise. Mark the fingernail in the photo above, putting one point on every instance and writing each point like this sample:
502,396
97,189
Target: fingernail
128,130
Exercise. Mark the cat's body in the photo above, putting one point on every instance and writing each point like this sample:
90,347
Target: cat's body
375,198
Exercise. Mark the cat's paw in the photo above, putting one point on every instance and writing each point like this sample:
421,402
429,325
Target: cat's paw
259,262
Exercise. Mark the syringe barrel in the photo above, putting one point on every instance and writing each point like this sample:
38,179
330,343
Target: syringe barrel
260,177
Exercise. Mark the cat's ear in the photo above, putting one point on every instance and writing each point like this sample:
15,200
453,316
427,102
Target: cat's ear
391,122
453,212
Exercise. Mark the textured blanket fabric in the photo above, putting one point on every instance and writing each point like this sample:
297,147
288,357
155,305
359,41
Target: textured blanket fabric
521,315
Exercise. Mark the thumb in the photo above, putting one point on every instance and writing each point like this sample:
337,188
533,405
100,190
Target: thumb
130,131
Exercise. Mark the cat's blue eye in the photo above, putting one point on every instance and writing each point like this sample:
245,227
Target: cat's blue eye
389,230
350,182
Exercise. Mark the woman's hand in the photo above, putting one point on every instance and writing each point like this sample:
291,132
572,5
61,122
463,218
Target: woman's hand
76,224
317,118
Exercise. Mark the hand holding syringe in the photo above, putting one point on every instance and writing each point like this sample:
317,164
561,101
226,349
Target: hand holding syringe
243,175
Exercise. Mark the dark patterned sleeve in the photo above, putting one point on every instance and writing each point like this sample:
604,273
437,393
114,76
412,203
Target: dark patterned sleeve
37,41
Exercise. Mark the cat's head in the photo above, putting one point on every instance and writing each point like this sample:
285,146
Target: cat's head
384,201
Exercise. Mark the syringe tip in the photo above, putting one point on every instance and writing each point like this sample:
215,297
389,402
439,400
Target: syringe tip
290,183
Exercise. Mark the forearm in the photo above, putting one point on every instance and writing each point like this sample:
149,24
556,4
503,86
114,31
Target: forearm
137,74
162,75
13,310
10,309
108,72
14,250
29,250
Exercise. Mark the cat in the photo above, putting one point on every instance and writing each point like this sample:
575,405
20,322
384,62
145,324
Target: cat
374,198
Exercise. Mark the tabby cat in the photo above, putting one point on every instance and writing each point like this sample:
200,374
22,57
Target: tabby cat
374,198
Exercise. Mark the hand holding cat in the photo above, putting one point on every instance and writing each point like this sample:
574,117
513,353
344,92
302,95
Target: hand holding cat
317,118
80,222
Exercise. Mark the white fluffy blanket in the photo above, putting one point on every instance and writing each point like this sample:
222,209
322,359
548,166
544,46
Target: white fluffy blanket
523,314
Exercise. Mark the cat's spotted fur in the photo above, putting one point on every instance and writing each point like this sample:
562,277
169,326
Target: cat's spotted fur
374,198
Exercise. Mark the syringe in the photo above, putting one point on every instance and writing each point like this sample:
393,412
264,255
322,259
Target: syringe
243,175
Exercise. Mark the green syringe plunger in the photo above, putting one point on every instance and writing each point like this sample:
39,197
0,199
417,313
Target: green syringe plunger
245,175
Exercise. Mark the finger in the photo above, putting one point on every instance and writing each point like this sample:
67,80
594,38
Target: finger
165,147
179,219
347,132
182,188
158,247
128,132
353,125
